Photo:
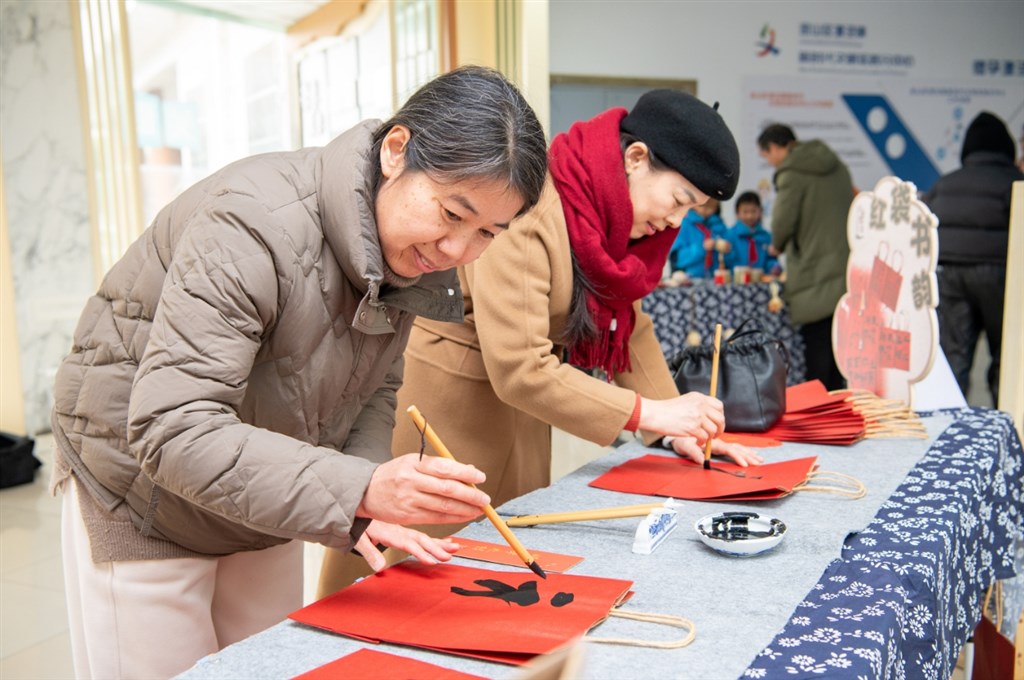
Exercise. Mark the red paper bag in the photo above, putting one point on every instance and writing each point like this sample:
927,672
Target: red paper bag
502,553
810,395
815,415
754,441
369,663
652,475
473,612
993,653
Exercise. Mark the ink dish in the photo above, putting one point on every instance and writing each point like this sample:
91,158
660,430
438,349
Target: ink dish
740,534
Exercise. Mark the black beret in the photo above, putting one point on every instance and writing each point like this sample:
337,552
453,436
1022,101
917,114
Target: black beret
688,136
987,133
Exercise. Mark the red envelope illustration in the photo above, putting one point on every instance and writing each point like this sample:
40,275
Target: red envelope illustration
894,348
856,343
886,279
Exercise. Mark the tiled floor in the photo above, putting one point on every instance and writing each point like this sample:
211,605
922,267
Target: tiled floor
34,640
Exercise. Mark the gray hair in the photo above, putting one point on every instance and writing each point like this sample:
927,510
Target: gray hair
470,124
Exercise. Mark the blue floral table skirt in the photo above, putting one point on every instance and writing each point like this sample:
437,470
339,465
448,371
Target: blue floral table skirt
908,590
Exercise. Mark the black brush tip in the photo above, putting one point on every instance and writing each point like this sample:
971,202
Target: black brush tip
535,568
707,464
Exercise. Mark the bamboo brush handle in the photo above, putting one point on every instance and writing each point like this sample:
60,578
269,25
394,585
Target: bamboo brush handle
443,451
714,385
584,515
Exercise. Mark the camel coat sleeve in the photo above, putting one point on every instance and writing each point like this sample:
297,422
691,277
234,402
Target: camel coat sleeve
649,374
520,292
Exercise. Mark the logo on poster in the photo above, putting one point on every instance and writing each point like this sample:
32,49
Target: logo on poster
766,45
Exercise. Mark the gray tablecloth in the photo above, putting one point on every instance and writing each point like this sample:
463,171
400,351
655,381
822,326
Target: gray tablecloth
737,604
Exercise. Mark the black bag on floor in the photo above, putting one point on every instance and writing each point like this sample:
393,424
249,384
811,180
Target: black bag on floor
752,370
17,464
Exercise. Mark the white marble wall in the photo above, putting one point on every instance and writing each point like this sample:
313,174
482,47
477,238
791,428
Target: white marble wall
43,156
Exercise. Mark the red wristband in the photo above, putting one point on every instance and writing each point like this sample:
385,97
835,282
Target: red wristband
634,420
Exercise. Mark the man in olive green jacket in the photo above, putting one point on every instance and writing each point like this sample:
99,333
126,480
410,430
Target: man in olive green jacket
808,223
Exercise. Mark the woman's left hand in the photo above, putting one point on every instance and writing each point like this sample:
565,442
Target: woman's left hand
425,548
743,456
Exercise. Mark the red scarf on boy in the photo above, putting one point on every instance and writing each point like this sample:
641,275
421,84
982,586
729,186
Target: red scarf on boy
709,255
587,167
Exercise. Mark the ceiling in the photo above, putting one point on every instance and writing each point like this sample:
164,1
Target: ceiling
272,14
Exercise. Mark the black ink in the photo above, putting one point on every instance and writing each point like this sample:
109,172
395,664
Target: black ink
562,599
739,473
734,526
524,595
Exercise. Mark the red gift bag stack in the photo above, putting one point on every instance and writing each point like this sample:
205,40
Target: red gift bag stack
816,416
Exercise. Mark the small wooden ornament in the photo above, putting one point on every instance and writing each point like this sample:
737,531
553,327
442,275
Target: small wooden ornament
693,338
775,304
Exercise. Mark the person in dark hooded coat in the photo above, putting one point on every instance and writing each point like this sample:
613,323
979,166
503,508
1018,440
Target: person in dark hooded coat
973,207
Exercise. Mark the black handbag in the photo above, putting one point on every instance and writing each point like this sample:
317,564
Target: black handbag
17,463
752,369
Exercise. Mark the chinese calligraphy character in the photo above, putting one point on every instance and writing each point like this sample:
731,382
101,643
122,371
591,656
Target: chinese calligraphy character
920,239
901,203
877,220
920,286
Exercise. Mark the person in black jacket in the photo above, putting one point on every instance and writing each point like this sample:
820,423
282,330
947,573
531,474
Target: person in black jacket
973,207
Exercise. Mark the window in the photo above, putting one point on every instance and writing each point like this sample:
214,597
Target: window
208,91
352,77
417,58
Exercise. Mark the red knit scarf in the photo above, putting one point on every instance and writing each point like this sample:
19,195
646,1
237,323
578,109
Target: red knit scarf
587,168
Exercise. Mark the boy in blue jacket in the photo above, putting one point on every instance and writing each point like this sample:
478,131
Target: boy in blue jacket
751,243
700,235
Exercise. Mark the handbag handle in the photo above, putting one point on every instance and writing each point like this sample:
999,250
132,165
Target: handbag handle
757,327
742,330
664,619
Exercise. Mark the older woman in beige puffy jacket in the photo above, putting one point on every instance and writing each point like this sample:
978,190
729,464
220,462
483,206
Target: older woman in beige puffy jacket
232,384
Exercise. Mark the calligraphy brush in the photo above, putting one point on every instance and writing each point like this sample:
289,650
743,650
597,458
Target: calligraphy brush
588,515
714,388
498,523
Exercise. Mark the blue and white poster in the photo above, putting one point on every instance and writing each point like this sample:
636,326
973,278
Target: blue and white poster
880,127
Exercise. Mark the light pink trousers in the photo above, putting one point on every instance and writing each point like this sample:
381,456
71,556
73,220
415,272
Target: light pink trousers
156,618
